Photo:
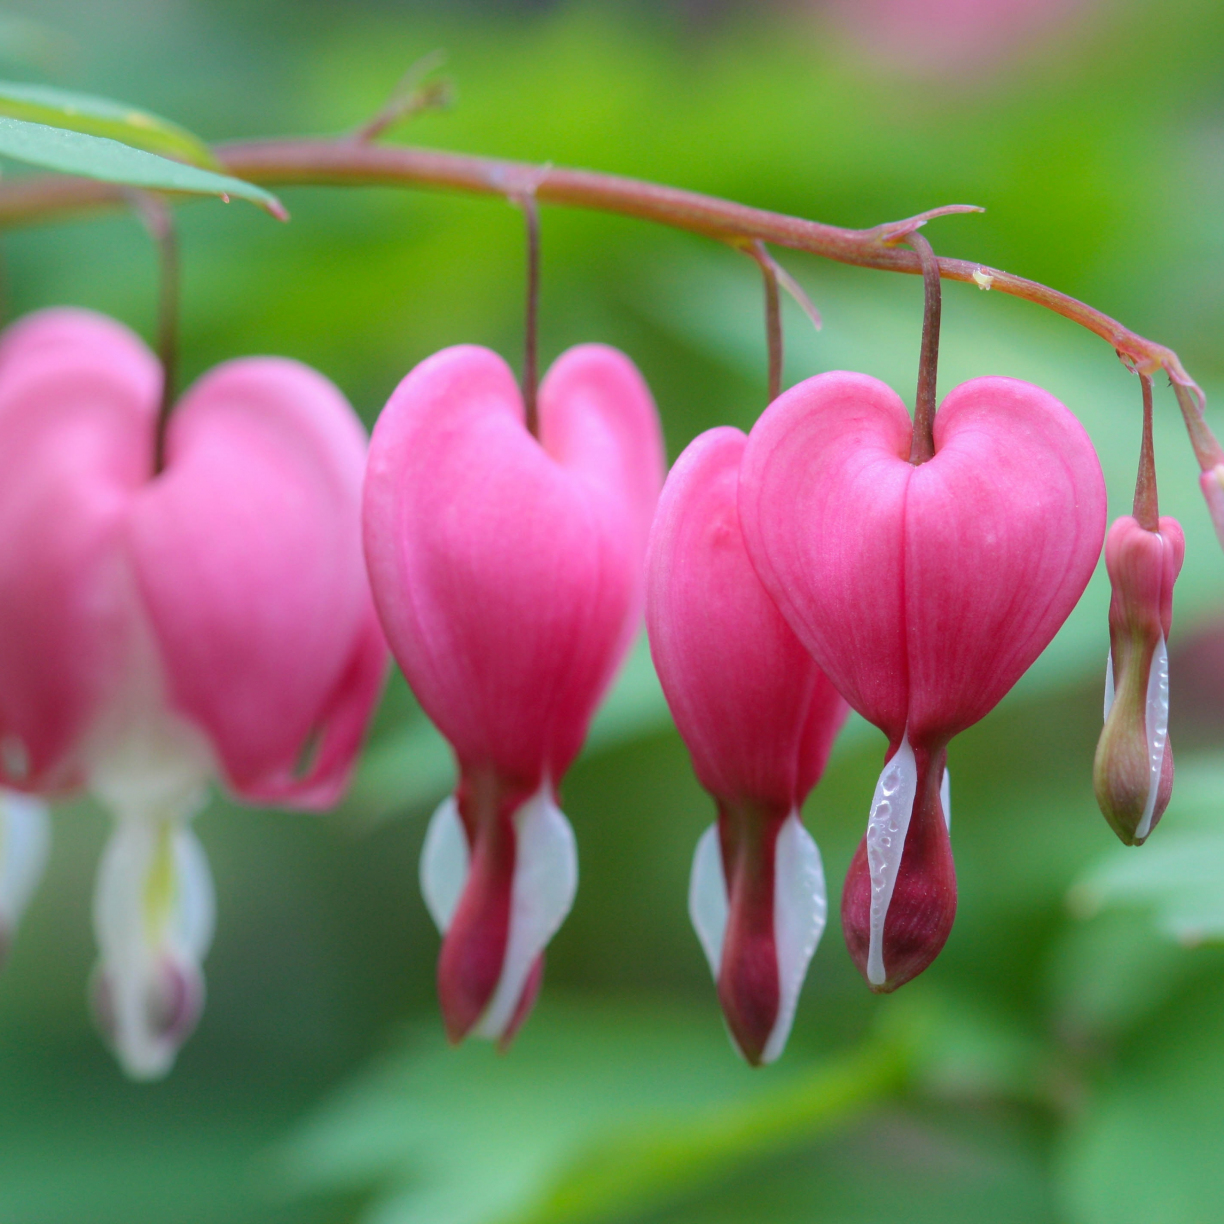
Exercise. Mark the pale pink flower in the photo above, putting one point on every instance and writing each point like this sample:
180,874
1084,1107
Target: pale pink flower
158,630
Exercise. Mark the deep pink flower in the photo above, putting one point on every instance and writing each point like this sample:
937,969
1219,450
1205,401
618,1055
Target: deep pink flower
508,575
157,630
924,592
1133,771
759,718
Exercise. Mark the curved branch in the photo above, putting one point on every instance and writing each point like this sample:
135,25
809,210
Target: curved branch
318,161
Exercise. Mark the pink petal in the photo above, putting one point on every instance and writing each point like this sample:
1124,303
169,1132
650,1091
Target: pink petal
822,499
1003,530
247,552
757,714
759,718
78,396
506,571
923,592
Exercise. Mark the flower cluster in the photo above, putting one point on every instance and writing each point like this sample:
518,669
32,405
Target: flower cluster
225,616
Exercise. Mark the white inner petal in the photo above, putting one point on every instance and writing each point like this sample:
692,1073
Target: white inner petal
707,897
153,917
545,881
800,910
25,841
891,808
1156,722
444,863
1109,683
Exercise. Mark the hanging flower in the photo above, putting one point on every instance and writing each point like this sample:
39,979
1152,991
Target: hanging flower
160,629
759,718
924,591
508,575
1133,771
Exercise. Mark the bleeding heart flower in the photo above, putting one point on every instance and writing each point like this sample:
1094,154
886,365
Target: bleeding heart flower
1133,771
508,573
924,592
759,718
160,629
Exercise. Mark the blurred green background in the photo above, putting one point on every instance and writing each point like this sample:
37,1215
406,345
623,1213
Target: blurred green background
1063,1060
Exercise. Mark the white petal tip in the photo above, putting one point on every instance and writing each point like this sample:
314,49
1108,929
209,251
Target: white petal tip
25,844
707,898
444,863
800,913
542,894
891,808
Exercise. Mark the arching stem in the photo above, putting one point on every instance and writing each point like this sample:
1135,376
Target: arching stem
923,446
531,343
159,221
356,162
1146,508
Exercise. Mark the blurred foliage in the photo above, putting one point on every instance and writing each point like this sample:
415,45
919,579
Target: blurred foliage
1059,1062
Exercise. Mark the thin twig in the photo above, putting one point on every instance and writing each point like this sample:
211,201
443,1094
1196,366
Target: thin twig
158,219
773,317
411,95
531,340
1146,506
922,447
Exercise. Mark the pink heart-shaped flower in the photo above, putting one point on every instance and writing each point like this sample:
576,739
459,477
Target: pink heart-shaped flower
508,574
759,718
923,591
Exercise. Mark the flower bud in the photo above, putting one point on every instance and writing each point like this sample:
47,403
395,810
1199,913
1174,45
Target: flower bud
1212,484
1133,770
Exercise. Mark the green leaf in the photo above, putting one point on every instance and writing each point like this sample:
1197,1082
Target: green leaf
1179,874
103,117
597,1110
98,157
1145,1149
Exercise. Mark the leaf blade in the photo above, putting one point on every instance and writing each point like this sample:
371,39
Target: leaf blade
99,157
97,116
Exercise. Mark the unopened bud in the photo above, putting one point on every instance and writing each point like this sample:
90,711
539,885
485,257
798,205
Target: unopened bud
1212,484
899,901
1133,770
